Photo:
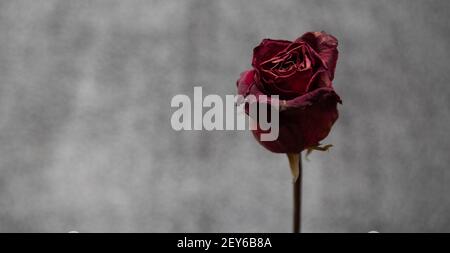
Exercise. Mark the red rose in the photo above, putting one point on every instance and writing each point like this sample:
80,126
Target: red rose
301,73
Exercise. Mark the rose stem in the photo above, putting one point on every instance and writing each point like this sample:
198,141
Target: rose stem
297,221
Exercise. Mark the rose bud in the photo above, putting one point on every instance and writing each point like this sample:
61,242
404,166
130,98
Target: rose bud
301,74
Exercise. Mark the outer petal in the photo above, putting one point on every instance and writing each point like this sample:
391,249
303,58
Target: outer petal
267,49
326,46
304,121
246,84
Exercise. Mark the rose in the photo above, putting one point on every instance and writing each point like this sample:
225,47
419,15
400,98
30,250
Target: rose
301,74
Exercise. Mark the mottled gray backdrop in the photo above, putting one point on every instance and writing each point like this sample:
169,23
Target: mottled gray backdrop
86,142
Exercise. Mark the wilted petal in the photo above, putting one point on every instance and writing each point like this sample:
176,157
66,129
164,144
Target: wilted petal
304,122
326,46
267,49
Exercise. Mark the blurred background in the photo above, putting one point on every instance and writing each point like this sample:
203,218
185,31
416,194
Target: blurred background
86,142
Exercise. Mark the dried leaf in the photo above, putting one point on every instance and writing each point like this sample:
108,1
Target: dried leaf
317,148
294,160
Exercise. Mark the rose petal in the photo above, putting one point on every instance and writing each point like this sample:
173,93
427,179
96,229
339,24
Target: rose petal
304,121
245,81
326,46
247,85
267,49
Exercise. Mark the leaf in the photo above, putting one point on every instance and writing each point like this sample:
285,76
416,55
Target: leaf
294,160
317,148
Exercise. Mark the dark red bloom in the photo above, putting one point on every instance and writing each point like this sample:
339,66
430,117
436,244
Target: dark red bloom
301,73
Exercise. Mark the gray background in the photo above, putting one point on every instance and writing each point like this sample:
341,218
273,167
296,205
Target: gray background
86,142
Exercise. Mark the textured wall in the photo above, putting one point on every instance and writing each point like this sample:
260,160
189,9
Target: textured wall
86,142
